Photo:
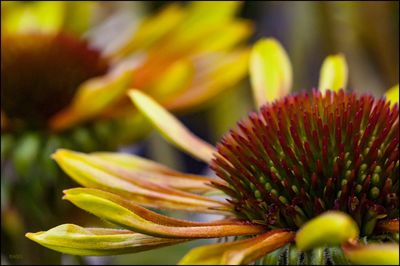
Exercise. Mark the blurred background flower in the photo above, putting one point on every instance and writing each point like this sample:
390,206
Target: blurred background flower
165,55
65,80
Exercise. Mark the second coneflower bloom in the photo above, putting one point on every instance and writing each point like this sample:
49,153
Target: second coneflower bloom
310,178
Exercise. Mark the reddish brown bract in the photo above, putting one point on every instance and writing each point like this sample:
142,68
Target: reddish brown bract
308,153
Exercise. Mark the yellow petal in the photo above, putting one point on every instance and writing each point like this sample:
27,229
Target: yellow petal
238,252
270,71
116,209
200,20
173,130
92,97
45,16
86,170
151,30
373,254
334,72
224,71
392,94
225,37
176,78
329,228
76,240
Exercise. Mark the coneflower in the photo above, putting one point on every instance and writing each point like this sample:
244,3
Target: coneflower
308,153
310,178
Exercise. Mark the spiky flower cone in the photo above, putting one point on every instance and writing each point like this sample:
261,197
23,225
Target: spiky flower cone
309,153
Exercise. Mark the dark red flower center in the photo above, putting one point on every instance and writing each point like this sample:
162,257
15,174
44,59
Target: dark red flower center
308,153
41,72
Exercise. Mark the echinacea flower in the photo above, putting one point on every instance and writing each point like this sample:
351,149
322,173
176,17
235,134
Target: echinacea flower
309,178
58,89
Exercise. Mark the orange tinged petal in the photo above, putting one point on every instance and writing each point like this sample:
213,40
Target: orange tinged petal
173,179
238,252
372,254
115,209
387,225
83,169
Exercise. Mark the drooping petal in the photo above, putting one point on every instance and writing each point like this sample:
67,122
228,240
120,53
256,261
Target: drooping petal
329,228
238,252
392,94
83,169
116,209
372,254
76,240
334,72
270,71
173,179
173,130
92,97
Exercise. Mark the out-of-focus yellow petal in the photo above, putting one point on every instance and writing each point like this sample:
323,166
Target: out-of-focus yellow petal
116,209
372,254
173,179
45,16
85,170
173,81
227,71
76,240
330,228
78,16
200,20
238,252
151,30
334,72
173,130
392,95
92,97
226,36
270,71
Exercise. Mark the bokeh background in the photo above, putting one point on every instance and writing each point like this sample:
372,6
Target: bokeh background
367,33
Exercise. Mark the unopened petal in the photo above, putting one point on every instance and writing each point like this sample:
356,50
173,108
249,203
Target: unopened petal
334,72
270,71
392,94
330,228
